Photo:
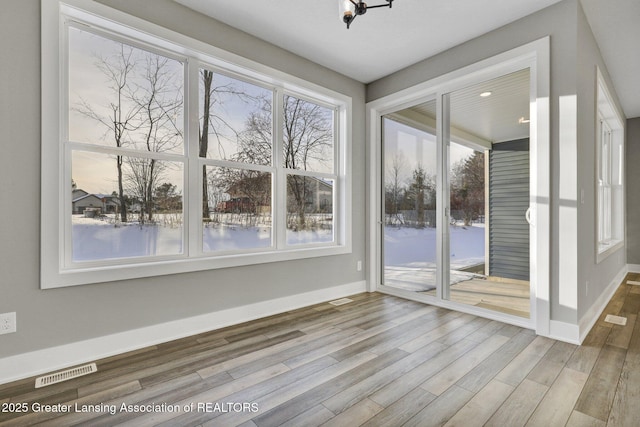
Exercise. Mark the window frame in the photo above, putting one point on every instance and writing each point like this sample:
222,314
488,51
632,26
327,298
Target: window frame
56,268
609,189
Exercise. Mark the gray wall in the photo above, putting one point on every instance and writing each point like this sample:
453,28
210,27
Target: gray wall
599,275
59,316
572,130
633,183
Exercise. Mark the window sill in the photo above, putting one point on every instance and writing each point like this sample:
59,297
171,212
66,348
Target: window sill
606,249
55,278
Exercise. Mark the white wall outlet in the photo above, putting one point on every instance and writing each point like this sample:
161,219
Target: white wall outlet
359,266
7,323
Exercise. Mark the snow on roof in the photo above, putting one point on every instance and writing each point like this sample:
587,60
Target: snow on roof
84,197
98,196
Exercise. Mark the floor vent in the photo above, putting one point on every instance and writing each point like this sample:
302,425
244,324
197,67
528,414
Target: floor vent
633,282
341,301
617,320
61,376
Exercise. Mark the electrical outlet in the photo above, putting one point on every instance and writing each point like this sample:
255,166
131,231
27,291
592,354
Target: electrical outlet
359,266
7,323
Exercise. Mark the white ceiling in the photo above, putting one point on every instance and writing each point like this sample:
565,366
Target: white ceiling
482,120
616,26
494,118
384,41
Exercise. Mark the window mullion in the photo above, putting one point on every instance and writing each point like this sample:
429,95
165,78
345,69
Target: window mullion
338,160
279,185
193,189
236,165
64,196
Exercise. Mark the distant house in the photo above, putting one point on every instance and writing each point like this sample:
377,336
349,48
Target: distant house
319,195
250,194
81,200
77,193
315,194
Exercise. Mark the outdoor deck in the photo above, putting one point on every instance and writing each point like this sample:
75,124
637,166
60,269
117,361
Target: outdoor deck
498,294
505,296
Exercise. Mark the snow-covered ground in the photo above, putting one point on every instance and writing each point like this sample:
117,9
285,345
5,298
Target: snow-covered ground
220,237
95,239
104,238
410,255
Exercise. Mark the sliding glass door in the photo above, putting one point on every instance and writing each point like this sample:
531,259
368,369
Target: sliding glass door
472,248
409,208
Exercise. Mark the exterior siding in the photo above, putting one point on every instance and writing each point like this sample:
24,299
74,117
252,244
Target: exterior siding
508,203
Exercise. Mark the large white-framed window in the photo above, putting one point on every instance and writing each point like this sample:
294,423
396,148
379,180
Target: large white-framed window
609,173
162,154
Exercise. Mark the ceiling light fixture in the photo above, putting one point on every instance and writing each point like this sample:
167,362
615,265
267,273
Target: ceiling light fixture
349,9
485,94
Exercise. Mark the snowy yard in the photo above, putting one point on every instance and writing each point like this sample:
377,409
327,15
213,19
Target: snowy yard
104,238
410,255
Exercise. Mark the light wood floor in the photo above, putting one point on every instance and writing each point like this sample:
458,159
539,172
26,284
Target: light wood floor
378,361
505,296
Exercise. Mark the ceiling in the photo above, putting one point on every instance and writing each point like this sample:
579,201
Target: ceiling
483,120
496,117
616,26
384,41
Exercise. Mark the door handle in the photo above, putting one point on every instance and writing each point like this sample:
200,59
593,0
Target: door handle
527,215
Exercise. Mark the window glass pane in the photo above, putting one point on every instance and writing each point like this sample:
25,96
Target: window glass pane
309,210
601,210
239,210
617,157
140,214
122,96
409,171
235,120
307,136
606,157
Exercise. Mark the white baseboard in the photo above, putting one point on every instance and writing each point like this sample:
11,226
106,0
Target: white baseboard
591,316
576,334
563,331
38,362
633,268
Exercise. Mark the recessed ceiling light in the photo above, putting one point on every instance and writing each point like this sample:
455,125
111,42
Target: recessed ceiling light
485,94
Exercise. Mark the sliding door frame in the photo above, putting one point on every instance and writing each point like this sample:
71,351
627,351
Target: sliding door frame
535,57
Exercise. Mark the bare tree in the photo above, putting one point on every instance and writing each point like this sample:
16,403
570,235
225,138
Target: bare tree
207,79
159,97
395,188
256,139
140,177
213,124
307,145
145,98
123,116
308,140
308,134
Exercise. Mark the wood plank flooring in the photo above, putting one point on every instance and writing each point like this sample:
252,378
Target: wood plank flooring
505,296
378,361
